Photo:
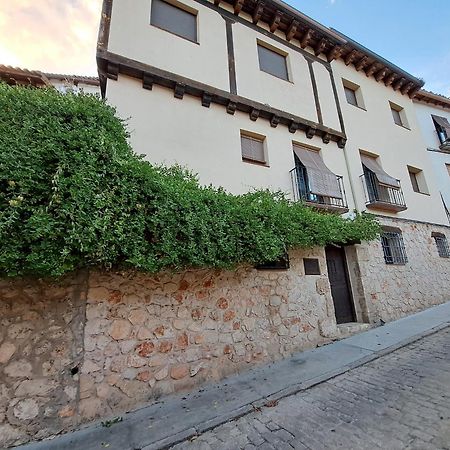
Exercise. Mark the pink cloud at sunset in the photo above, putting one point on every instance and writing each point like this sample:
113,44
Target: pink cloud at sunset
50,35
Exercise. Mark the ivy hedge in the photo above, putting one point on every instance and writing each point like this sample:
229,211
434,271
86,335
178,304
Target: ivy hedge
73,194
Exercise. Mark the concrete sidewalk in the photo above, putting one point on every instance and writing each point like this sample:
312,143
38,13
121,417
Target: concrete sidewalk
182,416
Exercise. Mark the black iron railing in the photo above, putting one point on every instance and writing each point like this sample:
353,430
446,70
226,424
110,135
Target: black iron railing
302,192
380,193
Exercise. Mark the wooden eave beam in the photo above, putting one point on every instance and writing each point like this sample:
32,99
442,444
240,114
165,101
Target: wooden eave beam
406,88
350,57
335,53
275,21
217,2
292,30
372,69
258,12
306,38
361,63
390,79
238,4
320,47
398,84
381,74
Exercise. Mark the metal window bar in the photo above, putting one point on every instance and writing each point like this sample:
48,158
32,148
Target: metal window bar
393,248
442,246
376,192
302,192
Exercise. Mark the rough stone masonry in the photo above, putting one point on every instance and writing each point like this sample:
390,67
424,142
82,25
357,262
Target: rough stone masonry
97,344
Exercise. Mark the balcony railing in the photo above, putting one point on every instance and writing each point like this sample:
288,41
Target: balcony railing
379,196
303,193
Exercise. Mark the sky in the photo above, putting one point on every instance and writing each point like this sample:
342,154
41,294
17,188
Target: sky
60,35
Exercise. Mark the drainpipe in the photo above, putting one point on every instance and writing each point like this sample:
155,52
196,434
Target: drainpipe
352,186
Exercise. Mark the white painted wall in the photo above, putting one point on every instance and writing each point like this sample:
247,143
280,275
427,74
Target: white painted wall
207,140
132,36
374,130
438,159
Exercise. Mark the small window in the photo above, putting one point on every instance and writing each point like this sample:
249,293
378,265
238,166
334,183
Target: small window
414,182
448,169
350,94
442,128
398,113
393,247
174,19
252,148
280,264
311,266
441,244
418,182
272,62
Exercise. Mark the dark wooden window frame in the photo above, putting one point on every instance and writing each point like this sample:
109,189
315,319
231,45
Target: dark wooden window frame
180,8
283,57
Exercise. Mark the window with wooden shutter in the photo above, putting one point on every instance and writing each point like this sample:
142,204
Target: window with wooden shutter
272,62
174,19
252,149
414,183
350,94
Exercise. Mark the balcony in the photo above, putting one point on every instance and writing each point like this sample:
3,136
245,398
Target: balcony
303,193
379,196
445,146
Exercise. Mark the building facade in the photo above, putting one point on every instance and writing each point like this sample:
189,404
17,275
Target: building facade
258,95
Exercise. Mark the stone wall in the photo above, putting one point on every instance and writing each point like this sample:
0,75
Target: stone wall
95,345
393,291
41,349
135,337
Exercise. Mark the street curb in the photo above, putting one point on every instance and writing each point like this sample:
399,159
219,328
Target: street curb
287,392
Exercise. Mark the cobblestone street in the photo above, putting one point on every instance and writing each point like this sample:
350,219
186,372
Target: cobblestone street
399,401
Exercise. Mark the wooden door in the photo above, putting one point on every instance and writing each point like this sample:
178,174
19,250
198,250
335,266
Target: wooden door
340,287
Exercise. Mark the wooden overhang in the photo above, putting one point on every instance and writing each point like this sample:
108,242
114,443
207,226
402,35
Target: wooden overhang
431,98
111,65
306,32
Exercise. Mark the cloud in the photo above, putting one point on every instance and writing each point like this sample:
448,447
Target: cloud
50,35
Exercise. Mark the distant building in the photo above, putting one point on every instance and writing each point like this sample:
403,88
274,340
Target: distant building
433,114
36,78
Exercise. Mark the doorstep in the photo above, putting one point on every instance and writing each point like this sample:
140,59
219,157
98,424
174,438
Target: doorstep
182,416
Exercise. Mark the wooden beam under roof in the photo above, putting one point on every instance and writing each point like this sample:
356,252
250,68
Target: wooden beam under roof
275,21
291,30
306,38
258,12
320,47
361,63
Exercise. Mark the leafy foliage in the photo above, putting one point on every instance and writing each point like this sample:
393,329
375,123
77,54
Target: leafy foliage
73,194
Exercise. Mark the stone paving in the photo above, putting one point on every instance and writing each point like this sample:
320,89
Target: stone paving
399,401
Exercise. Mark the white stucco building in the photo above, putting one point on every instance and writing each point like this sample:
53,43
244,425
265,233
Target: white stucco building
257,95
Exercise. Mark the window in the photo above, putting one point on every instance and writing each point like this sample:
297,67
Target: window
272,62
353,94
441,244
252,148
417,180
171,18
448,169
350,94
393,247
414,182
398,113
280,264
311,266
442,128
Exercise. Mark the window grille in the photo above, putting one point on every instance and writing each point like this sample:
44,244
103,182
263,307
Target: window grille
442,246
393,248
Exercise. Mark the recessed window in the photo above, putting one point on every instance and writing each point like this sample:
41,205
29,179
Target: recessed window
353,94
398,114
311,266
441,244
442,129
279,264
448,169
393,247
174,19
253,148
417,180
272,62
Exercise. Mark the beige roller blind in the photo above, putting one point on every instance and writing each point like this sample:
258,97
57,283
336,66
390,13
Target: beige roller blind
252,149
322,181
382,177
